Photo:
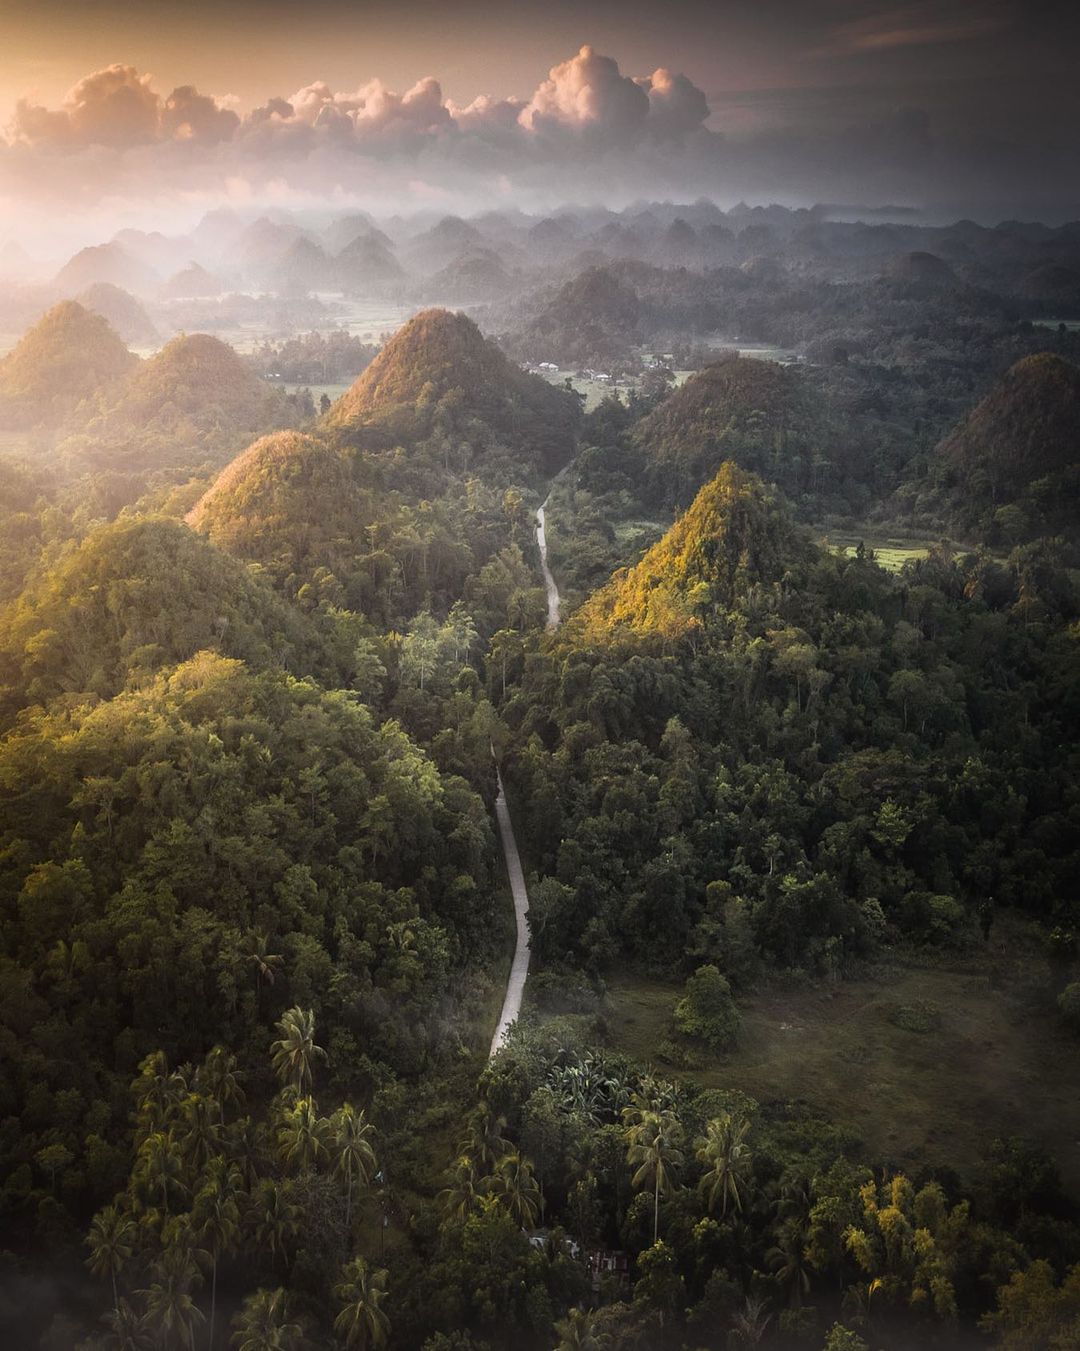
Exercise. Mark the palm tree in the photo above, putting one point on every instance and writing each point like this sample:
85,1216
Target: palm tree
161,1169
484,1142
458,1198
353,1150
295,1051
362,1323
303,1136
751,1322
199,1131
575,1332
515,1186
788,1263
266,963
170,1307
219,1079
729,1159
157,1093
653,1150
262,1324
216,1218
276,1218
111,1241
127,1329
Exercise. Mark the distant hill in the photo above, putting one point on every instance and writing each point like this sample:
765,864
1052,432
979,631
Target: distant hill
196,399
366,262
757,413
110,263
287,500
192,283
124,313
477,276
921,268
1018,448
136,595
67,356
593,320
734,535
439,373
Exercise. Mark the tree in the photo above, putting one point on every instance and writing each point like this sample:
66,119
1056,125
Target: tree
653,1151
218,1077
575,1332
707,1010
353,1150
362,1322
216,1219
295,1051
276,1218
111,1241
516,1188
170,1307
304,1136
788,1261
458,1198
263,1324
729,1161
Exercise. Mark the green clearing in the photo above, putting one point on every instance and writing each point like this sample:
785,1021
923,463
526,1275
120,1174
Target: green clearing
891,551
997,1062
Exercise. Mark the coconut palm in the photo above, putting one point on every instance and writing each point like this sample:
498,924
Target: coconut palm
295,1052
160,1169
653,1151
219,1080
170,1308
198,1131
127,1329
266,963
354,1153
304,1136
362,1322
575,1332
729,1160
276,1219
216,1220
752,1321
788,1262
263,1324
458,1199
514,1184
484,1141
111,1241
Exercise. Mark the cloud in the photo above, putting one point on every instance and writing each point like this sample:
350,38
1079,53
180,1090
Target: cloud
587,96
677,107
188,115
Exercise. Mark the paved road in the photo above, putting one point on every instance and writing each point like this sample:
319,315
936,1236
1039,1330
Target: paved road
519,970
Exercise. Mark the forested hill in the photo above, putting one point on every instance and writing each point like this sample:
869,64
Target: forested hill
735,536
760,414
194,400
67,356
1012,466
439,375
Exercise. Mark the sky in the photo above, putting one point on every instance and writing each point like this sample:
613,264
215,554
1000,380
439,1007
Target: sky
154,112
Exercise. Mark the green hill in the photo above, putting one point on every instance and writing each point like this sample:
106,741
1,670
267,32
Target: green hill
1012,466
287,502
122,311
194,400
67,356
137,595
438,374
757,413
735,535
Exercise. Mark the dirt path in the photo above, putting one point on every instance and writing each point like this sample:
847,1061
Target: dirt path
519,969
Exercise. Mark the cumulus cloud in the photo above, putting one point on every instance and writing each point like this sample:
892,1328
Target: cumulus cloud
188,115
588,96
677,106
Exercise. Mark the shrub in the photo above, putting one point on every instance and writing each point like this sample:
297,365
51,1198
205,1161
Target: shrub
707,1010
1069,1005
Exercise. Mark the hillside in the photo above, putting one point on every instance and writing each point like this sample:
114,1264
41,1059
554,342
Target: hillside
68,355
734,535
365,262
439,373
1018,448
194,400
124,314
137,595
757,413
287,501
110,263
592,320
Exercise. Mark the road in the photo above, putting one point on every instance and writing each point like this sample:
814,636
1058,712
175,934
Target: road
519,969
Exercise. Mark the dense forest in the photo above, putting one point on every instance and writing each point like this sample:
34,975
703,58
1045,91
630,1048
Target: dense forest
805,740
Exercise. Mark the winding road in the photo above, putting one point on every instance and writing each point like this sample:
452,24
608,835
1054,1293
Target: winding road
519,968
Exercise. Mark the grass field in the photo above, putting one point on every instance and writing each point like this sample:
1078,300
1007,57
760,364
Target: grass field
891,552
997,1063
